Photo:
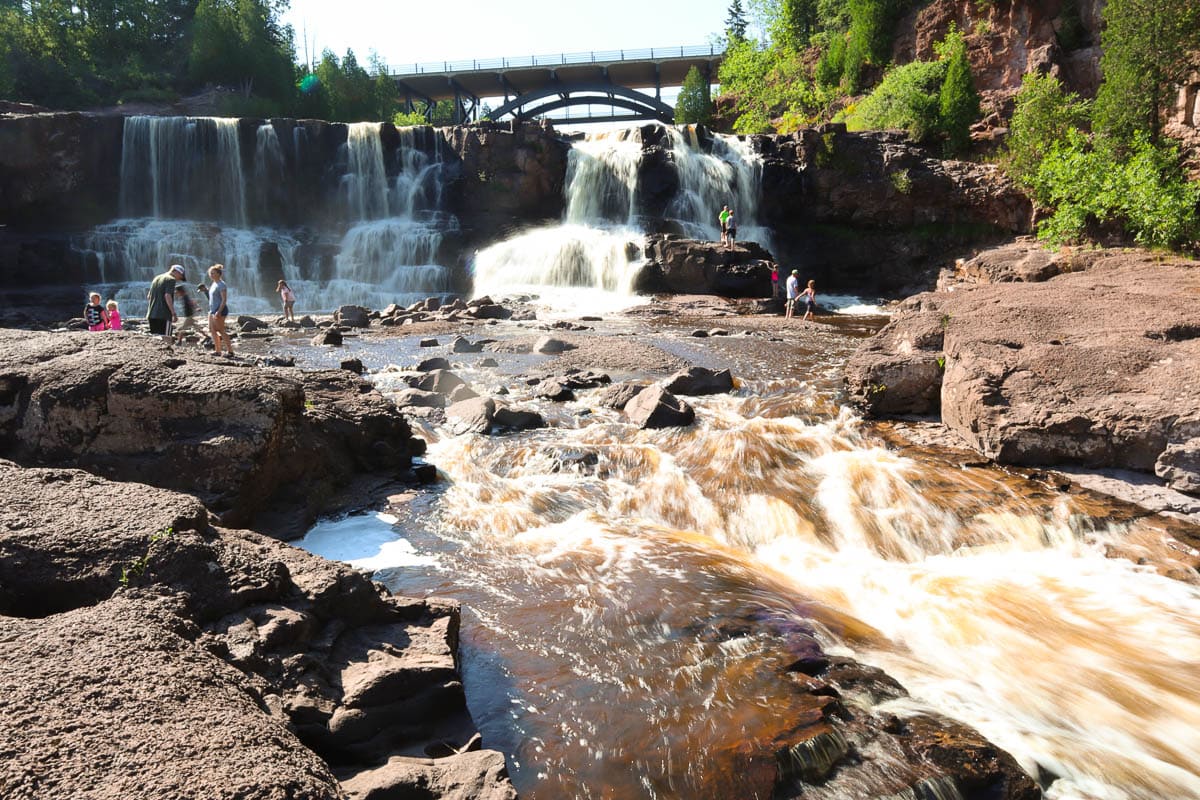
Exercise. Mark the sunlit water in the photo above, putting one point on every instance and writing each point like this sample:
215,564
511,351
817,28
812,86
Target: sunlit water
630,597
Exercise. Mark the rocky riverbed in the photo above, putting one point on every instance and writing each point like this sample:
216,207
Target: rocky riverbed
137,586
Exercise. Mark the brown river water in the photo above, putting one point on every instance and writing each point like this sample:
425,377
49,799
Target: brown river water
628,595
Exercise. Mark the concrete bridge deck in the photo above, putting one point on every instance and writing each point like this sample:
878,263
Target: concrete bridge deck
562,74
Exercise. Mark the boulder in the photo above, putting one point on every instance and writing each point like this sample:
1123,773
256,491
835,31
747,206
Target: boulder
430,364
698,381
461,392
518,419
551,389
239,437
247,324
687,266
550,346
307,322
429,343
329,336
354,365
352,316
418,397
492,311
1092,368
471,416
462,345
654,407
439,380
480,775
618,396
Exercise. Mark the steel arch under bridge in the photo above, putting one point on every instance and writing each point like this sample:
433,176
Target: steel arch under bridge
535,85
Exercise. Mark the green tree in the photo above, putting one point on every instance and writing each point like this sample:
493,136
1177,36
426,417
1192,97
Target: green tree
694,105
1043,116
240,43
735,22
1149,47
908,98
958,100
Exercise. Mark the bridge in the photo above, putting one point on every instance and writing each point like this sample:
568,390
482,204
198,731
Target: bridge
533,86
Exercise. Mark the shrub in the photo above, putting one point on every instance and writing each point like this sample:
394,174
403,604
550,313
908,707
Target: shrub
908,97
958,102
1144,191
1043,116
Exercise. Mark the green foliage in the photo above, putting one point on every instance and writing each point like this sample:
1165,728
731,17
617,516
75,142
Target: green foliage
832,63
694,105
240,43
1044,114
137,567
958,102
407,119
908,98
766,84
1141,189
735,22
869,42
1149,46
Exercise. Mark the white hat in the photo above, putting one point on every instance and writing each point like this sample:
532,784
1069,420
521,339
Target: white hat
178,270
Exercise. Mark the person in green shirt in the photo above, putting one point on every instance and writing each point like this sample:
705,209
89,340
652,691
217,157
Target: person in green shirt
724,217
160,308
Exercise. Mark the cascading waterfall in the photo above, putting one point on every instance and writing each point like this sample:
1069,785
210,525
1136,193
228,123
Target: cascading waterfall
183,194
589,261
731,174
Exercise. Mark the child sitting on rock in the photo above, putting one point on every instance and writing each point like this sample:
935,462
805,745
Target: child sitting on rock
94,314
114,316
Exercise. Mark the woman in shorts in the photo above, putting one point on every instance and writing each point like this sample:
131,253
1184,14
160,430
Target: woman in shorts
218,309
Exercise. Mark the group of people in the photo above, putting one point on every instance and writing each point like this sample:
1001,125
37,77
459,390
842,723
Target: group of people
161,317
794,295
728,227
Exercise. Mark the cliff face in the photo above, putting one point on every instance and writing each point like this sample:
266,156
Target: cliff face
1008,38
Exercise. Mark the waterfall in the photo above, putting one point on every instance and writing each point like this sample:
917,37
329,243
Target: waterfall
596,248
183,196
731,174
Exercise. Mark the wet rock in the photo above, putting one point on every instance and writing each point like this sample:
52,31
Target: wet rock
492,312
429,343
655,407
353,365
439,380
307,322
430,364
687,266
247,324
718,332
480,775
418,397
429,304
353,316
700,334
461,392
553,390
462,345
518,419
488,362
242,438
471,416
698,381
550,346
617,397
1092,368
329,336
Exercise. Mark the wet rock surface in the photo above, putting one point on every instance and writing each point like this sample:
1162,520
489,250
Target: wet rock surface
678,265
239,437
1093,368
230,665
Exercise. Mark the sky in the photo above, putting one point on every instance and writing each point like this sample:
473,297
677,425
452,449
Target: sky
407,31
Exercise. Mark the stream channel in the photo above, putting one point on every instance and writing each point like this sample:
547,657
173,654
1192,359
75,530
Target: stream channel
628,594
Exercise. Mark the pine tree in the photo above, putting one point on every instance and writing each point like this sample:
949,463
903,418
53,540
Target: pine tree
958,102
735,22
694,105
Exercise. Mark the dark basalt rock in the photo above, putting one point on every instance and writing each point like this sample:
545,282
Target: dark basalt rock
698,381
654,407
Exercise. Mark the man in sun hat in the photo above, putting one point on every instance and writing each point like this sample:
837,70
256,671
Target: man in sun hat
793,292
160,309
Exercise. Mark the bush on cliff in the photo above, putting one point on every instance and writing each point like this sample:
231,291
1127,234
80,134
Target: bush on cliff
1087,184
1044,114
908,98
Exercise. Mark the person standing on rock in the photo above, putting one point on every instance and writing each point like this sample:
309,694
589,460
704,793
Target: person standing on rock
160,310
810,301
774,282
218,309
288,297
730,231
793,293
93,313
724,217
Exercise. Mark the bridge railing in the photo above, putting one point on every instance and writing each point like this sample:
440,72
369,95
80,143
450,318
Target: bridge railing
554,60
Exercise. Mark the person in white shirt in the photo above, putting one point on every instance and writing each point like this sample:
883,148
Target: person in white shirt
793,292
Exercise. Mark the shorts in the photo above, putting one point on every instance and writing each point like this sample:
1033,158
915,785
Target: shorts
222,313
160,326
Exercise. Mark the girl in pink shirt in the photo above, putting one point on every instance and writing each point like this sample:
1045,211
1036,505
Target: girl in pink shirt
114,316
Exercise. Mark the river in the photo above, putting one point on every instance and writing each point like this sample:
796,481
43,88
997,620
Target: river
628,596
